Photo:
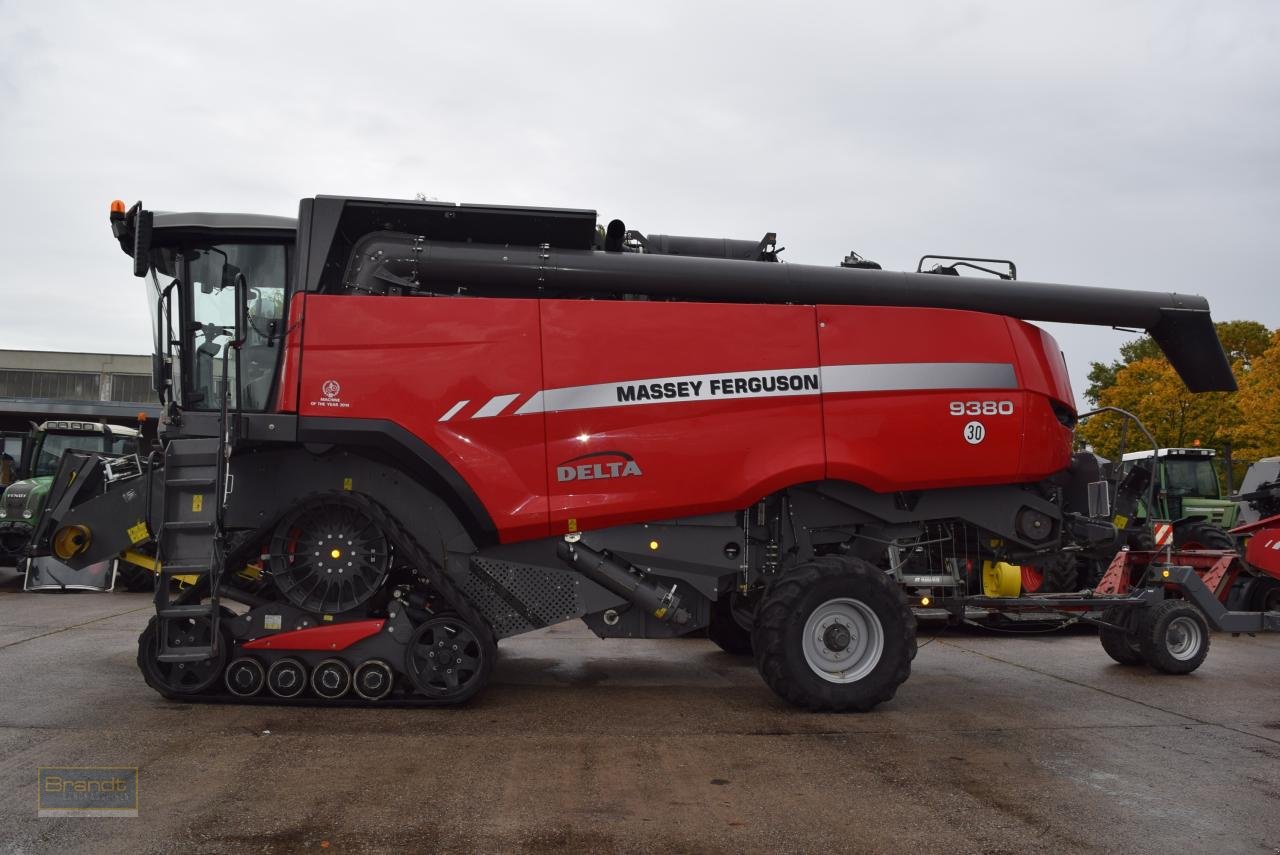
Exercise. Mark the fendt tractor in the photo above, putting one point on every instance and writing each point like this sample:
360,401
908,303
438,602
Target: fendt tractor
22,503
396,432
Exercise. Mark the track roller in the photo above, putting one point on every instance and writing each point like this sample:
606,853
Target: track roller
331,679
373,680
447,660
286,678
245,677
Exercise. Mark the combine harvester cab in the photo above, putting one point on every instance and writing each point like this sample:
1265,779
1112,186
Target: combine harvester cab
397,432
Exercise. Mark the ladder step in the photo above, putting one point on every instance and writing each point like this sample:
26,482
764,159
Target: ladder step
190,569
189,482
190,654
186,611
189,525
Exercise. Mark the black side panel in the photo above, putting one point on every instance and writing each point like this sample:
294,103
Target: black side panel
410,453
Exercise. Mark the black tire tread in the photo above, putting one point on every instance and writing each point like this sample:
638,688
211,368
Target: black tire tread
1059,571
1204,535
782,603
1122,645
1151,636
725,632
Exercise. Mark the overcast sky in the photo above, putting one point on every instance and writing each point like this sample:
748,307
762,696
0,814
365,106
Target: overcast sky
1124,144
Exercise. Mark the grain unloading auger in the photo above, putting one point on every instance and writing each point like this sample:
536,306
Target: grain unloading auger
397,432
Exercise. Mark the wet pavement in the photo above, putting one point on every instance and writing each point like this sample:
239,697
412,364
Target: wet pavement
997,744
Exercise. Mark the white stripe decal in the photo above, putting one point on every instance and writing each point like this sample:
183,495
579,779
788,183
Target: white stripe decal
772,383
731,385
496,405
914,376
453,411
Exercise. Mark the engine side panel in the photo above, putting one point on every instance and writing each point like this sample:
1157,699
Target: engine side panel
920,399
568,415
451,371
713,440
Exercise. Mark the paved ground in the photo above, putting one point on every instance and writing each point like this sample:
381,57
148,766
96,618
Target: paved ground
995,745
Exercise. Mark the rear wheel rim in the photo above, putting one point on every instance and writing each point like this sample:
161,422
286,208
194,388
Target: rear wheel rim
1184,638
843,640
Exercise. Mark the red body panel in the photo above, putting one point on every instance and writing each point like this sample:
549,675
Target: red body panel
291,366
696,456
326,636
567,414
410,360
1262,552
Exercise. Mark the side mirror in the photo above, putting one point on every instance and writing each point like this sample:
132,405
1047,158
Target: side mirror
28,449
141,239
241,286
230,275
159,374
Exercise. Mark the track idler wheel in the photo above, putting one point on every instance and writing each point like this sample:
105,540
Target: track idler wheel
245,677
331,679
329,555
373,680
447,660
172,679
286,678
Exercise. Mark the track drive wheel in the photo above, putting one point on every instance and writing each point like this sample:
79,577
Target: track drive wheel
1051,574
330,554
724,629
447,660
1174,637
175,679
1202,535
1120,644
835,634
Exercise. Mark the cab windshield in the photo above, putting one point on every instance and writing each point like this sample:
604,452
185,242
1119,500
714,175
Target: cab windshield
1192,477
49,452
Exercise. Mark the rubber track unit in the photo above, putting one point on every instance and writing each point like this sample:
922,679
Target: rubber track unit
412,552
785,670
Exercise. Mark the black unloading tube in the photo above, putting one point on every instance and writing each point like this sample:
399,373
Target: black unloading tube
627,582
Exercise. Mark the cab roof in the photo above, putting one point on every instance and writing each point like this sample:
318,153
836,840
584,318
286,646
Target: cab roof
1171,452
81,426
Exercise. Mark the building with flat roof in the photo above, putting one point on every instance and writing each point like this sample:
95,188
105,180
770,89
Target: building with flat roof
37,384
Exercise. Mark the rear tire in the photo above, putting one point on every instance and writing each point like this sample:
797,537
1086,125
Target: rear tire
1122,645
1202,535
1052,574
135,579
1265,595
835,634
725,631
1174,637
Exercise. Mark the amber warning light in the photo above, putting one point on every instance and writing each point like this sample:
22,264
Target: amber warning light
117,207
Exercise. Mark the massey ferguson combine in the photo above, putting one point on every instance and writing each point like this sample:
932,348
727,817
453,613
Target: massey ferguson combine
398,432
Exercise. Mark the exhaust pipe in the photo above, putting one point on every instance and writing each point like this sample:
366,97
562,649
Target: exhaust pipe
625,581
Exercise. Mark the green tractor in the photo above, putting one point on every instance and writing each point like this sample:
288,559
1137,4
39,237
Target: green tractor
1189,495
23,501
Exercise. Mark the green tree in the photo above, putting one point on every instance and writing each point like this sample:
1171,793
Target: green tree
1257,432
1143,382
1243,341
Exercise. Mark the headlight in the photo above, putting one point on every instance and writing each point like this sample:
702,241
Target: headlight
3,514
26,515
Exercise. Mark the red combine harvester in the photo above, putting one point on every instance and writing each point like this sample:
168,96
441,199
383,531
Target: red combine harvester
397,432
